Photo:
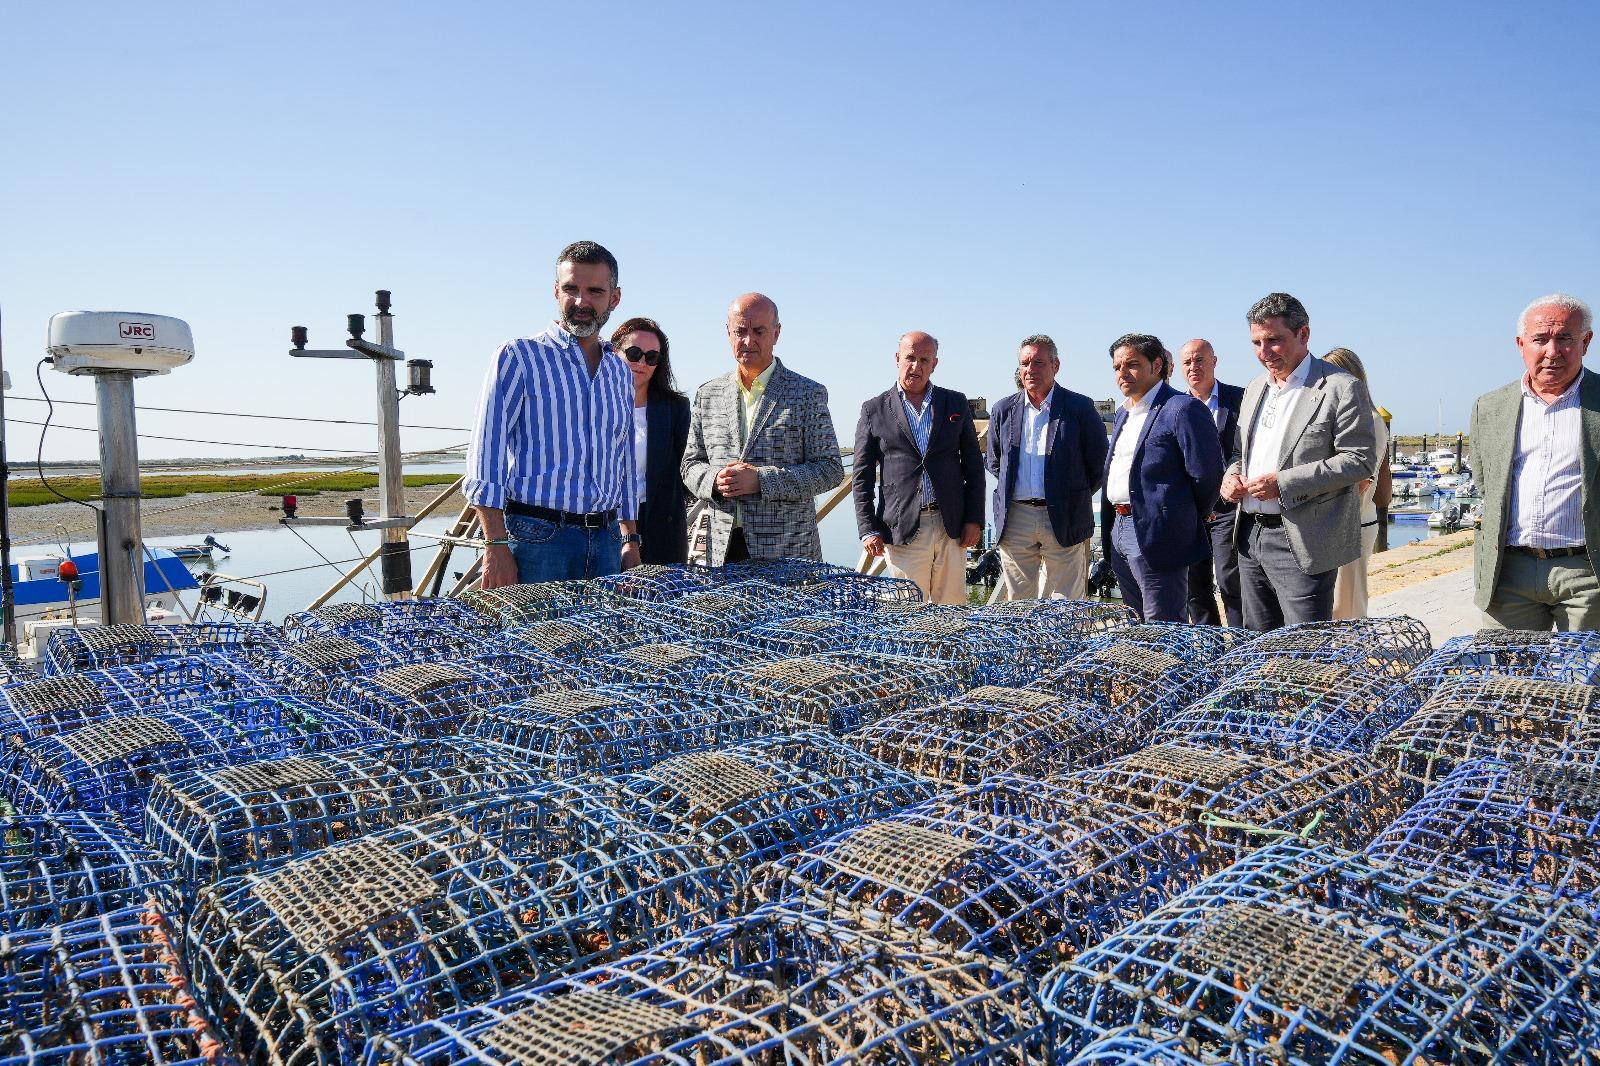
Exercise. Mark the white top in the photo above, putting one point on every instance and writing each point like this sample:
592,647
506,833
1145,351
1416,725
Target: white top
1214,403
1547,473
1369,509
1035,439
1127,443
1266,441
641,441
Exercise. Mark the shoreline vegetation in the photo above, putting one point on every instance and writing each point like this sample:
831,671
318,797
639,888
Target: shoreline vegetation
32,492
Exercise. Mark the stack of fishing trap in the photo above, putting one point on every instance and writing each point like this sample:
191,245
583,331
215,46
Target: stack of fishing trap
257,816
1534,827
1022,871
576,638
1142,685
774,986
44,706
613,729
429,699
840,692
1376,647
724,611
1239,800
344,619
312,666
13,668
58,868
1293,701
993,729
685,663
1515,719
807,634
306,962
765,798
1198,644
1538,656
1309,954
527,604
111,764
1059,622
97,647
103,991
653,583
1129,1048
980,653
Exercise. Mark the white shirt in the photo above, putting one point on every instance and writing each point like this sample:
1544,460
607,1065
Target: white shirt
1547,472
1035,440
641,441
1214,402
1127,443
1266,440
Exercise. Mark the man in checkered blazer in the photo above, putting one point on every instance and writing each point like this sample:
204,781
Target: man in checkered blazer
761,449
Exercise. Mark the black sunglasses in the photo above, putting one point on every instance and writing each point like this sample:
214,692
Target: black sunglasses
635,353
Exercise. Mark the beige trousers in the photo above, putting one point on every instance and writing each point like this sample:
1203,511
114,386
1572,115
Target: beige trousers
933,560
1350,586
1035,564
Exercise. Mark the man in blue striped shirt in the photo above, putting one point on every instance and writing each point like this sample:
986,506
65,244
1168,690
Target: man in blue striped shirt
550,467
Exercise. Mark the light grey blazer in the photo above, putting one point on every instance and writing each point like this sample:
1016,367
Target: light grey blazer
1329,445
794,449
1496,418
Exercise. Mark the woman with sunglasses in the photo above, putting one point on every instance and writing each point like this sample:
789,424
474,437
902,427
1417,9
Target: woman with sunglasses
660,434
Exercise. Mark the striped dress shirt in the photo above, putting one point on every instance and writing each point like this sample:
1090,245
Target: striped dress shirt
1547,472
549,435
921,429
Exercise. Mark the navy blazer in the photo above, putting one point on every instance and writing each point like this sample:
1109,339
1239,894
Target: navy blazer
1230,401
1173,483
1074,467
890,505
663,517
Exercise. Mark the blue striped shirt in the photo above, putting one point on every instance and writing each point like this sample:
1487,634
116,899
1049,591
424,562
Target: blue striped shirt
921,429
549,435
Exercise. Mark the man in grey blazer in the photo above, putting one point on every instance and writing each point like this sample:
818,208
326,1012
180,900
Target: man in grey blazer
1306,440
1535,444
761,449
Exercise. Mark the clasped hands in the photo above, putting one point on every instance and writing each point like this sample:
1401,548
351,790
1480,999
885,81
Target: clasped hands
738,479
1261,487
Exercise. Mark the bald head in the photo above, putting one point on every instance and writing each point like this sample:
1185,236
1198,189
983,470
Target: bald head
914,361
753,330
1198,360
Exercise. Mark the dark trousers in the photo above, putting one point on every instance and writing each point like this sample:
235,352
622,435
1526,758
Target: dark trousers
1155,595
1217,575
738,548
1275,591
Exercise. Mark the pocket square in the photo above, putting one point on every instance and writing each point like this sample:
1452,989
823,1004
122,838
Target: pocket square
955,416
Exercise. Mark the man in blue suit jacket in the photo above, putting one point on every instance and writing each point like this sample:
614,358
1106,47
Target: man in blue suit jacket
1219,575
1162,478
1047,451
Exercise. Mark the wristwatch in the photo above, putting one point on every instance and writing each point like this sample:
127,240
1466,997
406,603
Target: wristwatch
633,538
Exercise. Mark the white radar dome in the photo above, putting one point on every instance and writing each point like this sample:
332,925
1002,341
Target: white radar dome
89,342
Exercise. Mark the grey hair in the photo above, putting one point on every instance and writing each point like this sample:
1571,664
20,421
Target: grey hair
1041,341
1563,301
1279,305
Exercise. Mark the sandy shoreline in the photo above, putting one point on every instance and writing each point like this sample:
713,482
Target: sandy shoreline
202,513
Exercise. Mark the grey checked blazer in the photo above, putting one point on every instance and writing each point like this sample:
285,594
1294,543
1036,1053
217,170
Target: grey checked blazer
1496,419
1329,445
795,451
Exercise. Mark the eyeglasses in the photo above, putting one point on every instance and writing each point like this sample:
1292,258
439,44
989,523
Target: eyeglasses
636,353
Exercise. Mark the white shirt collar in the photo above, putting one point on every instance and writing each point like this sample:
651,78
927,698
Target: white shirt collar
1042,407
1143,403
1297,376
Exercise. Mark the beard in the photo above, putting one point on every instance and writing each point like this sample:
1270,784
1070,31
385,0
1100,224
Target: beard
582,328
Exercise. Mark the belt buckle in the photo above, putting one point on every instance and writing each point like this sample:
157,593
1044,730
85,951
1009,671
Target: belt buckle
591,521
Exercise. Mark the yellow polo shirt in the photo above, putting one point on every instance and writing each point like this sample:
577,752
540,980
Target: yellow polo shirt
751,398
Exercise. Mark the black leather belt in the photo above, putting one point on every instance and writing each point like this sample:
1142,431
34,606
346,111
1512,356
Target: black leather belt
1030,502
594,520
934,506
1548,553
1266,521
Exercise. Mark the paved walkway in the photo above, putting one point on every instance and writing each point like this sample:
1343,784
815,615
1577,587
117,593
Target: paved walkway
1443,604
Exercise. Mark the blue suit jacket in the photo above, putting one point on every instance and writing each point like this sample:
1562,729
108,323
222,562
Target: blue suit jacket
1173,484
1074,464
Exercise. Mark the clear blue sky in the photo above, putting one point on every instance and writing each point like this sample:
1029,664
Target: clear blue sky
1414,172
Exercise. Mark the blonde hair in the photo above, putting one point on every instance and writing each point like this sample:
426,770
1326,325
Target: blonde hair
1348,361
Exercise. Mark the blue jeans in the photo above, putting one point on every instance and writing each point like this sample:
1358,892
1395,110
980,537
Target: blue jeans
552,551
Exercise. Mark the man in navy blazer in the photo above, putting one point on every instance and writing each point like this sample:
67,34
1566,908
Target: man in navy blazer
917,476
1219,575
1047,451
1162,478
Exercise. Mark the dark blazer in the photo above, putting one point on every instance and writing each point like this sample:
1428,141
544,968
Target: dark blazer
1230,401
890,504
1176,474
663,517
1075,461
